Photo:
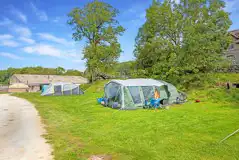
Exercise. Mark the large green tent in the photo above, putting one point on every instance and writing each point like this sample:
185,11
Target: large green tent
132,93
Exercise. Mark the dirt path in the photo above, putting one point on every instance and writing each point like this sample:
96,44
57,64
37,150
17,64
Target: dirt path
20,131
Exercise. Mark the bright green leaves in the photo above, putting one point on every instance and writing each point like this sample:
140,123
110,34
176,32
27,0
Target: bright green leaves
96,22
183,38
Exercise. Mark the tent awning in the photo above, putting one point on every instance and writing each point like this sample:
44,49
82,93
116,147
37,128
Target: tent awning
139,82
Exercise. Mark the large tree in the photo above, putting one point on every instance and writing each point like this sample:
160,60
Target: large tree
96,23
182,38
60,70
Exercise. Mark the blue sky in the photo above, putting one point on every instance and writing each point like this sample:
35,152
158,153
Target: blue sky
34,32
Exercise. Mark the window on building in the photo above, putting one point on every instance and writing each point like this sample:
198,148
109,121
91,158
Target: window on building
231,46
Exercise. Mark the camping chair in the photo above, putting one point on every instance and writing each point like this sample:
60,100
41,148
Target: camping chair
155,103
103,101
146,104
152,103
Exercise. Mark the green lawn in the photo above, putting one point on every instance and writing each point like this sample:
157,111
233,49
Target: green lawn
78,127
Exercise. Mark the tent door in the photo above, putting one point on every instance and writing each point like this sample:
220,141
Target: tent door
58,90
135,93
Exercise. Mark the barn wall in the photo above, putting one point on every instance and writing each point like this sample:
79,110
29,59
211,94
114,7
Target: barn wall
17,90
34,88
13,79
3,88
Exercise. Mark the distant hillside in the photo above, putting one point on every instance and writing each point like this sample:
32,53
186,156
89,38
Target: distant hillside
5,74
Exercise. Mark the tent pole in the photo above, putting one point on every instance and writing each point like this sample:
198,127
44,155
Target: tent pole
122,96
62,93
229,136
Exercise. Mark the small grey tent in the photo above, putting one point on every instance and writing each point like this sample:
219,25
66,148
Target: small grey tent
132,93
59,89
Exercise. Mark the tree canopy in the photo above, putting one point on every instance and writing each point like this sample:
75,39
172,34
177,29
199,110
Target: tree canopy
181,38
96,23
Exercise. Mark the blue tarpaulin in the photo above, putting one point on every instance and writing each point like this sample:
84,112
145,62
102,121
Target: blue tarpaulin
44,88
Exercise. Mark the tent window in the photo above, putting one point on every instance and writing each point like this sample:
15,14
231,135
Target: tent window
128,100
163,92
148,92
112,90
75,91
58,90
62,89
118,97
135,93
67,89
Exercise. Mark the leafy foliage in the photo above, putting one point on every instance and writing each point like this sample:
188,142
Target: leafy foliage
181,39
97,24
124,69
4,76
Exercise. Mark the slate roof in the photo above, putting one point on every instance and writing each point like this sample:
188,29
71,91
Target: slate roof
31,79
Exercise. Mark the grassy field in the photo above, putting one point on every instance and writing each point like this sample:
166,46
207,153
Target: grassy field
78,127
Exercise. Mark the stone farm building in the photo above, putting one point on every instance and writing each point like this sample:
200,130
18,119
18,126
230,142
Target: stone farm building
35,82
233,51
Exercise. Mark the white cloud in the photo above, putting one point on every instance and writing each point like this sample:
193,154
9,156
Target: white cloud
23,31
9,43
137,22
135,15
41,14
5,21
132,10
27,40
136,9
43,49
6,40
10,55
50,37
142,15
75,55
57,19
49,50
231,5
78,61
69,35
5,36
19,14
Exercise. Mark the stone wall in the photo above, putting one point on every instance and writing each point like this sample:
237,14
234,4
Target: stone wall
34,88
3,88
17,90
